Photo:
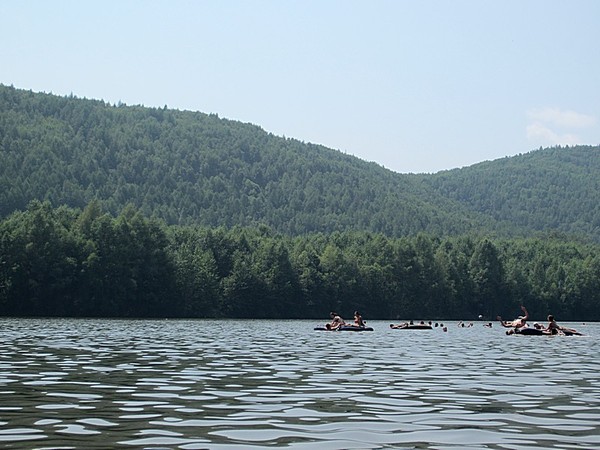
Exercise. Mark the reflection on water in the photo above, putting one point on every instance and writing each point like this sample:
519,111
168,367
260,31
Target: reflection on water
258,384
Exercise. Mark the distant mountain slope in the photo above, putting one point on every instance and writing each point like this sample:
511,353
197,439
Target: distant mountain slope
189,167
193,168
547,189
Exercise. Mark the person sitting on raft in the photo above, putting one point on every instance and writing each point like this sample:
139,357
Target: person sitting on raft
554,328
336,321
358,320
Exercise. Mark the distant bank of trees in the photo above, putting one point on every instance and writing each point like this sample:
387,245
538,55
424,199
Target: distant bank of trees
87,263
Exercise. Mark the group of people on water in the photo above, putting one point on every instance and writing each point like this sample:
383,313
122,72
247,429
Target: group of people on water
337,321
516,326
520,326
422,325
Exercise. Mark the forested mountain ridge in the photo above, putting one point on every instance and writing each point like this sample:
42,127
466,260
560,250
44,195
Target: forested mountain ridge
82,182
548,189
193,168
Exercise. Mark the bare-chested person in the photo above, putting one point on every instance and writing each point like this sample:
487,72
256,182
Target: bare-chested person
519,322
554,328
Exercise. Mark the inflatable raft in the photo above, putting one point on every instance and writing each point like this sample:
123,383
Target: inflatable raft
345,328
537,332
530,332
411,327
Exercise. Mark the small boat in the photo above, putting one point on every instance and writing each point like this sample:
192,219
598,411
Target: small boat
345,328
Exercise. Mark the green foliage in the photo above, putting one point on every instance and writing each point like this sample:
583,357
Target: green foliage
189,168
182,214
548,189
67,262
61,263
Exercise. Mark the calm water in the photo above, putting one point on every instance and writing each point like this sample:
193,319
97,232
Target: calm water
263,384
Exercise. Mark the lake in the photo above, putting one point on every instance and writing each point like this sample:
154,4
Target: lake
217,384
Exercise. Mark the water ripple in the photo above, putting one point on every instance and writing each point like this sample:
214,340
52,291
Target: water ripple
258,384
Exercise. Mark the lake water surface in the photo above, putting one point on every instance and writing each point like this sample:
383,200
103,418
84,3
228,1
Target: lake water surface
213,384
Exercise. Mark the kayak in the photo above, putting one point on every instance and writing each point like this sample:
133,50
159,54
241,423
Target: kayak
345,328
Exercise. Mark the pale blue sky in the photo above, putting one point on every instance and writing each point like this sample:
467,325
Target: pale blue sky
416,86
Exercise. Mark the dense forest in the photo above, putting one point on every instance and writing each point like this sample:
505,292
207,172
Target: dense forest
190,168
67,262
129,211
548,189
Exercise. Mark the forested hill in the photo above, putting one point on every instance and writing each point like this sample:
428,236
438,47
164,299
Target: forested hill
548,189
193,168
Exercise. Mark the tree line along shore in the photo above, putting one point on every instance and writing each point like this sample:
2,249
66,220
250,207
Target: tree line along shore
61,261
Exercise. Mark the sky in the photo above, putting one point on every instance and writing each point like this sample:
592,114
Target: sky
416,86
